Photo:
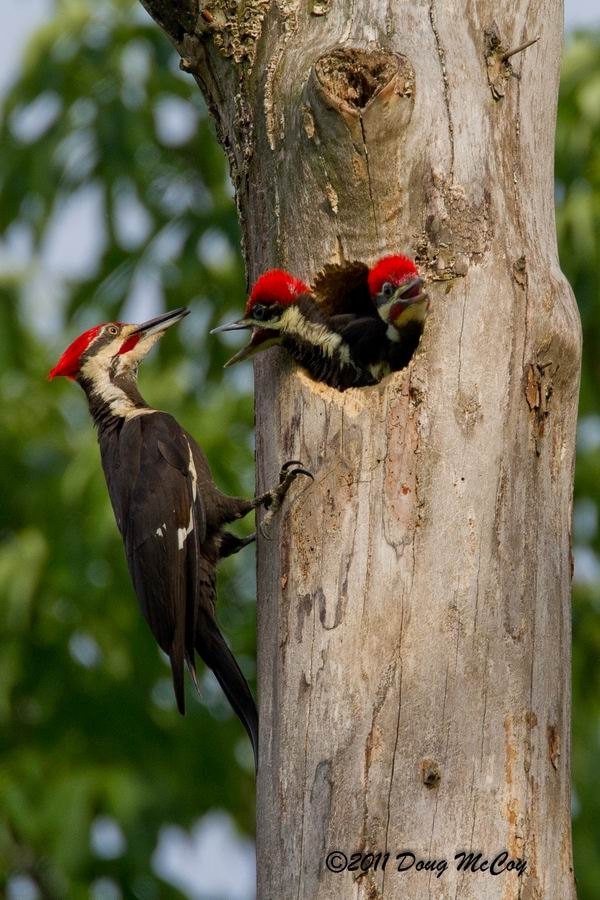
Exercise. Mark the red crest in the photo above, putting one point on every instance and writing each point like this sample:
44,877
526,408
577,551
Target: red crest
276,286
393,269
68,364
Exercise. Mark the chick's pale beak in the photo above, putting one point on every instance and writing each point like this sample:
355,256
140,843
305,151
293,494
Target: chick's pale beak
261,339
161,323
240,325
411,291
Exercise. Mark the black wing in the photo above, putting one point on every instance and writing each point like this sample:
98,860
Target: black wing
367,337
162,518
155,472
343,288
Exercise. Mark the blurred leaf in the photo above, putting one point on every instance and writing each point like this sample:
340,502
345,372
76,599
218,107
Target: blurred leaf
87,723
578,223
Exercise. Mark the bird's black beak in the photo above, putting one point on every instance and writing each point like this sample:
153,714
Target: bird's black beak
261,339
161,323
240,325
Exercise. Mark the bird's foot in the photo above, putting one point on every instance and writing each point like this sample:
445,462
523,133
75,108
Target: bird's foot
272,500
231,543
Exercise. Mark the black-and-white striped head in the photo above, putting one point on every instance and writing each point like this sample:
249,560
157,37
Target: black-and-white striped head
113,347
270,309
105,359
396,289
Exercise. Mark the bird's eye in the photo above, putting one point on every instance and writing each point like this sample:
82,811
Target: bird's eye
112,329
259,312
388,289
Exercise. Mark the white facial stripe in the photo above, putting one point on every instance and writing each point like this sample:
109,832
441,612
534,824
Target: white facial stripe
97,369
414,312
141,349
182,533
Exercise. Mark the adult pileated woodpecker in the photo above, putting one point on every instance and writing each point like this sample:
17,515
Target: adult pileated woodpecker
348,330
170,513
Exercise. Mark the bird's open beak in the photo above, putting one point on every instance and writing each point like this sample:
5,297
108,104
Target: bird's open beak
160,323
410,292
261,339
234,326
408,303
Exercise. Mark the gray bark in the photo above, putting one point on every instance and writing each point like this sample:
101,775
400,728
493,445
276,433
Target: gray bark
414,612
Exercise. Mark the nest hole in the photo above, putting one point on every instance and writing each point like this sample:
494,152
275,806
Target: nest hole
341,289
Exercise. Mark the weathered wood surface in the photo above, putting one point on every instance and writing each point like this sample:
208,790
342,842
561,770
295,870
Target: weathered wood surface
414,612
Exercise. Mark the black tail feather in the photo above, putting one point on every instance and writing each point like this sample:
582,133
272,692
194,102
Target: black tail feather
176,656
214,651
178,683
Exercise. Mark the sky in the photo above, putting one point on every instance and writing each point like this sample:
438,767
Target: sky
179,856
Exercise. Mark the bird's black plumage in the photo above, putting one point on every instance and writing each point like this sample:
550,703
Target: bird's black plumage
351,362
171,517
342,293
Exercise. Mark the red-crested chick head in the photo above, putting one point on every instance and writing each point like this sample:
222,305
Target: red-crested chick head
395,270
275,287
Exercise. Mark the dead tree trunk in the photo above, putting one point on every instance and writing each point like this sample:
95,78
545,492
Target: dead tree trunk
414,614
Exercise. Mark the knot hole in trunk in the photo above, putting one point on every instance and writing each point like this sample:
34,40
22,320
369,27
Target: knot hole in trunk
357,107
353,78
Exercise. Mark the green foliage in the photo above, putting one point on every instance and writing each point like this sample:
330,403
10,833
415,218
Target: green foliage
578,221
88,725
87,720
578,195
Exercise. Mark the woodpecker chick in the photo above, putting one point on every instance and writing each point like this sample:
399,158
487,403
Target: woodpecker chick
167,507
341,350
396,289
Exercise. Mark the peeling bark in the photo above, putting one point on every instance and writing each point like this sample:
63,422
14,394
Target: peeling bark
414,615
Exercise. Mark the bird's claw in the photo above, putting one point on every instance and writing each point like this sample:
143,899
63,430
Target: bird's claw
290,462
288,472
